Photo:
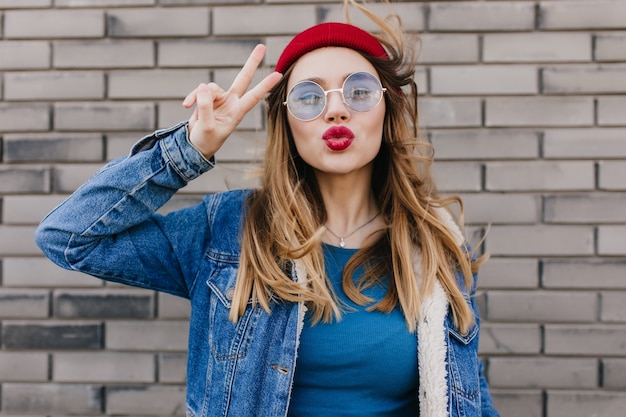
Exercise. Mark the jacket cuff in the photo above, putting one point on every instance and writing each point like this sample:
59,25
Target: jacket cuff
177,150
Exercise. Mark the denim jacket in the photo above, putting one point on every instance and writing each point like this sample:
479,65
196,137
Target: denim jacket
108,228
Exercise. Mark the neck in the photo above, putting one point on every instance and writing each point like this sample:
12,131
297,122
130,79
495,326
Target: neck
349,202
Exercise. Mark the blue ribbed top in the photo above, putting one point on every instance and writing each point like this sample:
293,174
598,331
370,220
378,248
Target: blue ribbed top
364,365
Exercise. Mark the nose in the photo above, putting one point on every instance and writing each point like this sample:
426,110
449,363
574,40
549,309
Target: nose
336,108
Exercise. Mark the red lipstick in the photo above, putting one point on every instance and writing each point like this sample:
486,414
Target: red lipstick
338,138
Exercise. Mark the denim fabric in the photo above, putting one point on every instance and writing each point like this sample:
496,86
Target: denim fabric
108,228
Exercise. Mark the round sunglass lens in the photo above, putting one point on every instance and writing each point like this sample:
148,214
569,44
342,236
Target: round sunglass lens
362,91
306,100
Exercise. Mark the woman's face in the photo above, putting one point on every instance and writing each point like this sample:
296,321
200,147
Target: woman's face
340,140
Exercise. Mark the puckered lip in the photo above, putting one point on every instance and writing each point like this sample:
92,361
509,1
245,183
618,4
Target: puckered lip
337,132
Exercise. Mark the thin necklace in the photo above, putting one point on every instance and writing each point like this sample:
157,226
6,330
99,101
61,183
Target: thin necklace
342,241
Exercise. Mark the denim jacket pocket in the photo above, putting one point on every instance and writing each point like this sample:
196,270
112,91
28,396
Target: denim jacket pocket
228,340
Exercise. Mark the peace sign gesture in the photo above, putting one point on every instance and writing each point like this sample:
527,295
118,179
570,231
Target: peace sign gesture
218,112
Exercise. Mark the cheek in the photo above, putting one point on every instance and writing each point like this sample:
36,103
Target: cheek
377,121
300,134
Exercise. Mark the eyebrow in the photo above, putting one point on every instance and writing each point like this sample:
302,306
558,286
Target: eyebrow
322,82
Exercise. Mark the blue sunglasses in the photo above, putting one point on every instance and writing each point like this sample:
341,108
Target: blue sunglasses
361,91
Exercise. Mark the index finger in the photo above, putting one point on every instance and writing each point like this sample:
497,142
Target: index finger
244,78
252,97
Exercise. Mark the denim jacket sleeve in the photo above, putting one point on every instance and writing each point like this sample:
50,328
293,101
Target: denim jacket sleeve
108,227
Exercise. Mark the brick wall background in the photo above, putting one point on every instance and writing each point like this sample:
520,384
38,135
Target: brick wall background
524,101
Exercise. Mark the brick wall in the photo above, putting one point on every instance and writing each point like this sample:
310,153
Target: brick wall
524,101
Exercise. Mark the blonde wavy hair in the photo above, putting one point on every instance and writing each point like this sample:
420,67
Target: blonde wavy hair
286,215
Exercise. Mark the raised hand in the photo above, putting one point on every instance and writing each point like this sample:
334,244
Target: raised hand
218,112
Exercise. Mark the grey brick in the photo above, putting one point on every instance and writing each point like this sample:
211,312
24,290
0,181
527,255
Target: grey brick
585,208
612,240
211,2
61,399
49,335
612,111
144,84
517,339
448,48
585,340
173,368
589,14
542,306
584,274
611,175
227,176
27,209
29,117
67,178
520,372
490,208
540,240
24,304
54,85
103,3
270,20
21,180
416,11
155,335
24,55
612,309
103,54
243,146
188,21
614,373
54,24
596,143
170,113
144,400
17,240
518,403
23,366
204,52
23,4
458,176
610,47
40,272
472,16
118,145
53,147
601,79
275,46
484,80
421,79
450,112
485,144
540,175
103,367
105,303
537,47
105,116
172,307
584,404
509,273
539,111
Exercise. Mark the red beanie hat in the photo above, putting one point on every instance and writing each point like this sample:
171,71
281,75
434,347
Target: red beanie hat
330,34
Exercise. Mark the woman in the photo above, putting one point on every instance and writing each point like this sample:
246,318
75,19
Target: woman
345,257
